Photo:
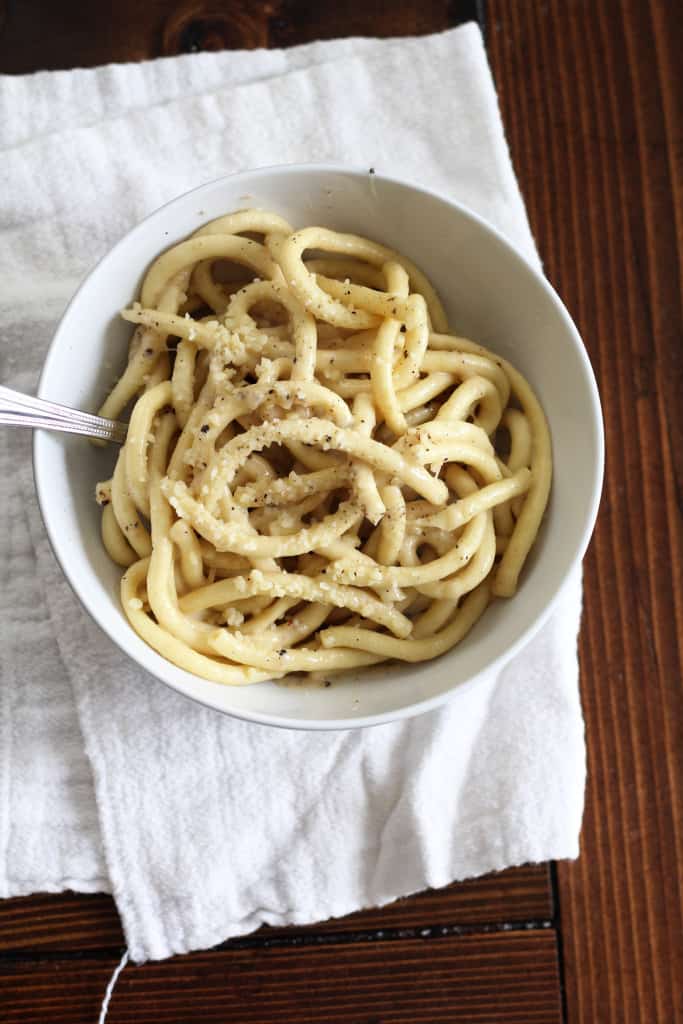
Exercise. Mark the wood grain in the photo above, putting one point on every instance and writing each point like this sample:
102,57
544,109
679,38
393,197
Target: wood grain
37,35
508,978
69,922
592,97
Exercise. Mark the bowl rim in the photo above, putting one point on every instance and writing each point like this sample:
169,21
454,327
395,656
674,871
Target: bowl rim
429,703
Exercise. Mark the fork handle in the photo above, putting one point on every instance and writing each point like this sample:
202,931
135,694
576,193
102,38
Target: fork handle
19,410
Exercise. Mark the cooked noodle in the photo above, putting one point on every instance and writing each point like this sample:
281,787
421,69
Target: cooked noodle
317,475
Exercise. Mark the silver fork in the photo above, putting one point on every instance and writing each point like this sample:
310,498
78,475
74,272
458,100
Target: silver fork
18,410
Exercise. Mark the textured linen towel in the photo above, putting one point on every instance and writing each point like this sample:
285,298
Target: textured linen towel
203,827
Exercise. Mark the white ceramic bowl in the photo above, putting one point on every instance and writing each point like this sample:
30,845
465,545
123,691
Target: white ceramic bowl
490,293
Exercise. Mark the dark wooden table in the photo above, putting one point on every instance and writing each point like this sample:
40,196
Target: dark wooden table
592,99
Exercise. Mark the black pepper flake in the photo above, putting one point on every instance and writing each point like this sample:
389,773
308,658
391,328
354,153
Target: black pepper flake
371,171
204,429
403,328
283,651
327,682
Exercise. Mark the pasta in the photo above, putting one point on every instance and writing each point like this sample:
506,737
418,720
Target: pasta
317,475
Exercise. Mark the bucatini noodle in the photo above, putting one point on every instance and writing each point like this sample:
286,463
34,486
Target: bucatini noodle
317,475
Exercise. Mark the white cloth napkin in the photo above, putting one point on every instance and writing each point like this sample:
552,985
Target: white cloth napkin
203,827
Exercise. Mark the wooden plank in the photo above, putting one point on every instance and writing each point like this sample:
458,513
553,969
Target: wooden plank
70,922
592,96
493,979
299,21
35,35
